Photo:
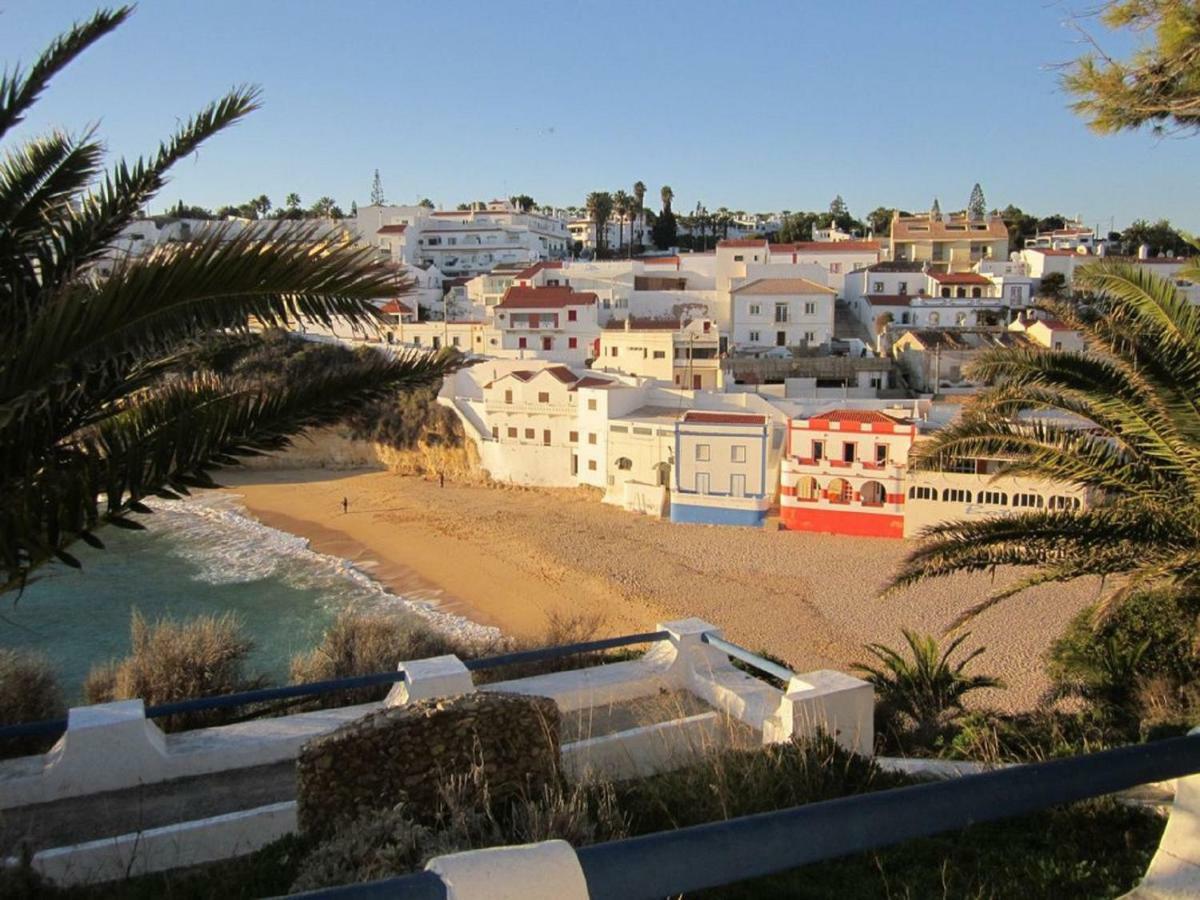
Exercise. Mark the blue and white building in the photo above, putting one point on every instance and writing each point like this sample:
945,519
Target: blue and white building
726,468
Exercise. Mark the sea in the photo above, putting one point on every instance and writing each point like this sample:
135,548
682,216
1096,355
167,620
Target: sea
202,555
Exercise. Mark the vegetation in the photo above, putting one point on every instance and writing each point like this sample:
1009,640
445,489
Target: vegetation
600,210
1137,387
1159,85
29,692
665,230
173,660
919,697
976,204
95,421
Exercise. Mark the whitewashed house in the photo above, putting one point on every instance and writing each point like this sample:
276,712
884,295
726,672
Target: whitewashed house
782,312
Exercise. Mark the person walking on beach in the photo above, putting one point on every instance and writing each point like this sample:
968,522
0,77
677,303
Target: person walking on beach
441,479
345,505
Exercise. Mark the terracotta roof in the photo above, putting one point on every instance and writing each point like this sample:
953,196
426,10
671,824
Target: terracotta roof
959,228
742,242
538,266
930,338
561,373
395,306
890,299
392,229
827,247
720,418
782,286
958,278
854,416
521,297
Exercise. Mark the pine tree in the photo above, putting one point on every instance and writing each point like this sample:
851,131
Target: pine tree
936,209
838,208
377,190
977,206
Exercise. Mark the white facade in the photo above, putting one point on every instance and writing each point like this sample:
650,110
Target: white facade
782,312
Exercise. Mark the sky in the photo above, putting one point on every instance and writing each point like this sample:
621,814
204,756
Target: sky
748,105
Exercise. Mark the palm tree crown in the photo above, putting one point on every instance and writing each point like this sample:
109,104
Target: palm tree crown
1125,425
100,407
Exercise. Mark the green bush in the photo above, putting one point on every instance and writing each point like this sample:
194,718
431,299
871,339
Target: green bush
29,692
1152,636
175,660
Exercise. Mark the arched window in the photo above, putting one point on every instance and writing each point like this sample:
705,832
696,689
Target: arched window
807,489
873,494
624,463
934,318
839,491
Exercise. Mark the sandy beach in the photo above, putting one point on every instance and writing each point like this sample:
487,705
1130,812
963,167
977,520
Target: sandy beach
511,557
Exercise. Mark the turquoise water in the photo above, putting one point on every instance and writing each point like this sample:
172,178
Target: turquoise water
199,556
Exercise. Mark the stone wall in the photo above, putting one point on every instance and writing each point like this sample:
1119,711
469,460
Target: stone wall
405,754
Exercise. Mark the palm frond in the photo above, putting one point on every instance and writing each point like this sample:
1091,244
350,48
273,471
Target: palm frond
18,92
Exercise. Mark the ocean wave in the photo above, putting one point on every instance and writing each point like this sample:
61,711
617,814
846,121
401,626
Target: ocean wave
226,545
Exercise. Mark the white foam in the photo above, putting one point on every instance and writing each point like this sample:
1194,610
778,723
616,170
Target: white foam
214,532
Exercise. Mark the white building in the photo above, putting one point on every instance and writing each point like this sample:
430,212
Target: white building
554,323
683,352
726,468
782,312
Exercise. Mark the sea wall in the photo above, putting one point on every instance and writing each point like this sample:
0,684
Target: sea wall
407,754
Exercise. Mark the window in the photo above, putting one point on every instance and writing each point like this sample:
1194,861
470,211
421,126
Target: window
592,403
529,434
639,429
547,343
993,498
612,351
781,312
416,340
619,429
955,495
810,337
512,432
543,396
737,453
835,268
849,451
573,437
571,315
495,432
1060,502
810,309
702,453
881,454
624,464
508,397
877,287
546,437
455,341
591,437
754,337
934,318
903,289
945,292
660,354
572,343
591,465
1027,501
739,258
818,450
755,309
522,343
922,493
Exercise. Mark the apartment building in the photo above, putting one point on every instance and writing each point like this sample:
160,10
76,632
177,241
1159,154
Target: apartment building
949,243
723,467
683,352
913,294
641,458
782,312
555,323
843,472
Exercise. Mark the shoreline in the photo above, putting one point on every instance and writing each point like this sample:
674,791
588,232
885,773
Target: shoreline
517,558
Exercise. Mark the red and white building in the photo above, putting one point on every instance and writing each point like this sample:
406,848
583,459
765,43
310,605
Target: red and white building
843,472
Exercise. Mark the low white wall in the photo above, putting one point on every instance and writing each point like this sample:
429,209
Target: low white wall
170,847
643,751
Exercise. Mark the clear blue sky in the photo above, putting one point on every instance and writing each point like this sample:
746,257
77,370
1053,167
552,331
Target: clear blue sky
774,105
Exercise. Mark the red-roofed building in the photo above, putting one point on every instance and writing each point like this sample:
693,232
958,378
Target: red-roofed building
843,473
555,323
397,313
684,353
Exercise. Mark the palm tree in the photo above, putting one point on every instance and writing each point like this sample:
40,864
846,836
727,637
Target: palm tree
600,207
667,196
927,689
99,406
1136,391
623,204
639,197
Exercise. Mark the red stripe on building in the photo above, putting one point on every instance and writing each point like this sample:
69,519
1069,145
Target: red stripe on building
836,521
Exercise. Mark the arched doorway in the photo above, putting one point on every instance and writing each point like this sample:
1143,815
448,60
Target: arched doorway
873,494
807,489
839,491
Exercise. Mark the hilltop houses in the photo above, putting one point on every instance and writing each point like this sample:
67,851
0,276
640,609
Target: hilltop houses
553,322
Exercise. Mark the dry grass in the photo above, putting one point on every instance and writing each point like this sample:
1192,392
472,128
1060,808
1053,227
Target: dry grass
29,692
174,660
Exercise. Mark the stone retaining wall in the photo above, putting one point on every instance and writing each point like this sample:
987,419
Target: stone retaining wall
405,754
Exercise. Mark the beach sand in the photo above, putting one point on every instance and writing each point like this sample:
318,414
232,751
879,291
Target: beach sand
512,557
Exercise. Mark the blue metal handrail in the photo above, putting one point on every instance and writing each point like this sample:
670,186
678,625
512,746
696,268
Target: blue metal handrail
51,727
750,659
669,863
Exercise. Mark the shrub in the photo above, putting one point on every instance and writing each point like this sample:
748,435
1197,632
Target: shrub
29,692
1152,636
923,695
363,644
175,660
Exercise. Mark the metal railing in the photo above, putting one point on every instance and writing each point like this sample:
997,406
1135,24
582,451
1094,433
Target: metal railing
52,727
751,659
715,854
